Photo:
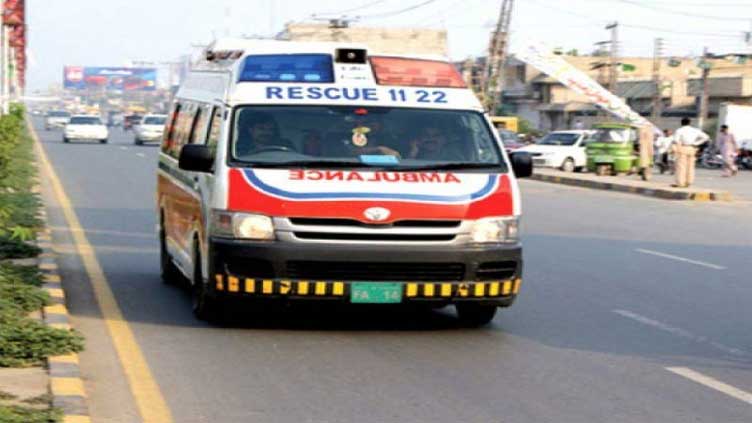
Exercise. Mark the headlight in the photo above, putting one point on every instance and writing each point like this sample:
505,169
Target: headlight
242,225
496,230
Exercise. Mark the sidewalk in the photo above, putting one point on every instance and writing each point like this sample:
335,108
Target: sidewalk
709,185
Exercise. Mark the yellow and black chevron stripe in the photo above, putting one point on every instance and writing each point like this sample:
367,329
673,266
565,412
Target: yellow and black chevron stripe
412,290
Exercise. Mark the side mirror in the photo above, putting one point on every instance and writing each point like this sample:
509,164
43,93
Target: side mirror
197,158
522,164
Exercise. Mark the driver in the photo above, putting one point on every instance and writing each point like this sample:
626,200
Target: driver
432,144
258,131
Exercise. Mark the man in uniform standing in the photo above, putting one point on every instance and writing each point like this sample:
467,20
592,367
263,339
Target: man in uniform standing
686,140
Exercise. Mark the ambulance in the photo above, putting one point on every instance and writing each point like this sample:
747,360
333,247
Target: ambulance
294,172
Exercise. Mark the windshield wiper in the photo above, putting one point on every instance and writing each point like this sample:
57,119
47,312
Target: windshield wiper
454,166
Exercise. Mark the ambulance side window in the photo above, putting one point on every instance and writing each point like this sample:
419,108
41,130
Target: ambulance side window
169,138
183,129
200,124
215,127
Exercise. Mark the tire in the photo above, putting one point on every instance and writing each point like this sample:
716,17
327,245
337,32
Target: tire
475,315
104,141
204,307
137,141
66,140
603,170
170,273
568,165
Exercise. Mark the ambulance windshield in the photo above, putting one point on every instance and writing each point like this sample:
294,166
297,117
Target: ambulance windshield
338,136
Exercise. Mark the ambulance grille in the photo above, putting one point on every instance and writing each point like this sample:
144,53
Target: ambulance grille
375,271
328,236
354,223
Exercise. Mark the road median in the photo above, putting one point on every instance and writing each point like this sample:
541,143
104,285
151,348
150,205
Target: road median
631,186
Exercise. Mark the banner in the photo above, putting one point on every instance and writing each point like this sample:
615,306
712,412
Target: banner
110,79
554,65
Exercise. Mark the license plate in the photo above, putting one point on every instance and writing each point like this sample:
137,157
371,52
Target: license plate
375,292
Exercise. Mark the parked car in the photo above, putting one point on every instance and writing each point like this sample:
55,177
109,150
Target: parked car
560,149
150,129
510,140
56,119
85,127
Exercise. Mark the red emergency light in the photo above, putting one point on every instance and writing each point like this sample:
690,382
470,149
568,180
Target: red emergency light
416,72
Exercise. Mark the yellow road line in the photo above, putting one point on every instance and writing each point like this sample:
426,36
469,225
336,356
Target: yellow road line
149,399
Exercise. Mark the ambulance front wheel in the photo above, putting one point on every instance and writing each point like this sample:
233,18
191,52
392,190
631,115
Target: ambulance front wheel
473,315
204,306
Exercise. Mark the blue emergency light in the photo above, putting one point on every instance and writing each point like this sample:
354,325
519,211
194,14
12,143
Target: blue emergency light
315,68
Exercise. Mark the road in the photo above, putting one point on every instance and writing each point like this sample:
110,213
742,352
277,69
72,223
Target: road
632,310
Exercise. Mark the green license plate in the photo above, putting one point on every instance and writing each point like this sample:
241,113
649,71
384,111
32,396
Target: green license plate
375,292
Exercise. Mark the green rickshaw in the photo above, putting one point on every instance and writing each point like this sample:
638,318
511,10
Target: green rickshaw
612,149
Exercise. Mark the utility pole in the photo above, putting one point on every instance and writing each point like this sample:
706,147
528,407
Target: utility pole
613,59
658,94
493,72
703,112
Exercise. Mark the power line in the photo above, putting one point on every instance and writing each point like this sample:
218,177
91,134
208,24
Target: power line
673,31
355,9
679,12
636,26
397,12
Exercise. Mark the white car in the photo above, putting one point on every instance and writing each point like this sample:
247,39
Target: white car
560,149
85,127
56,119
150,129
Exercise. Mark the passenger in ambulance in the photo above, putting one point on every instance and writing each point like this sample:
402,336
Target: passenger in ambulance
259,132
432,144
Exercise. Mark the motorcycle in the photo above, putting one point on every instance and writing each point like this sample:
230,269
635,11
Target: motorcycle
710,158
744,158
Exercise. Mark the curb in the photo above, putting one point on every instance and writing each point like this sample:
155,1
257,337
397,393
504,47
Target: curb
66,385
662,193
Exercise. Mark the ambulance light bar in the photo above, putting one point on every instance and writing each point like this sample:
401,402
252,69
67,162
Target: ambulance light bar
416,72
314,68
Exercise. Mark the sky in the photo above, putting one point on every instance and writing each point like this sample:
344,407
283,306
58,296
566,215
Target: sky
116,32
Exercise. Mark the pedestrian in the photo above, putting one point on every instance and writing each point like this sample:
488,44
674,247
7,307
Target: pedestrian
686,140
579,125
729,148
662,149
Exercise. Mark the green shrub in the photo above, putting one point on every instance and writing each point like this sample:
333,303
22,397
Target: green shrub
26,342
14,248
13,273
16,414
28,298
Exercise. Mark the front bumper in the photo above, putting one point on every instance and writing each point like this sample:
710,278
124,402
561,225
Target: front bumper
262,270
86,137
149,137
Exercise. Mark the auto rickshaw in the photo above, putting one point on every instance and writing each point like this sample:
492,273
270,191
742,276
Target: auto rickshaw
613,149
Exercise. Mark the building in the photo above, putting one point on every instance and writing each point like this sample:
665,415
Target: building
379,40
548,105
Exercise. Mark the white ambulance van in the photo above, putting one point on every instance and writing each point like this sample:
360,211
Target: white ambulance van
317,171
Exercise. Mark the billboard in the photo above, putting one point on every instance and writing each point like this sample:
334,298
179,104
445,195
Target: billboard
109,78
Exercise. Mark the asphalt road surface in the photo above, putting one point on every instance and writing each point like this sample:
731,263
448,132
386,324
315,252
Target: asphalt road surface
632,310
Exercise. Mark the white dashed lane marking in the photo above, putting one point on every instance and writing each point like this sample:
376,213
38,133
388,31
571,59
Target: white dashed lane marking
678,258
712,383
141,154
681,333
